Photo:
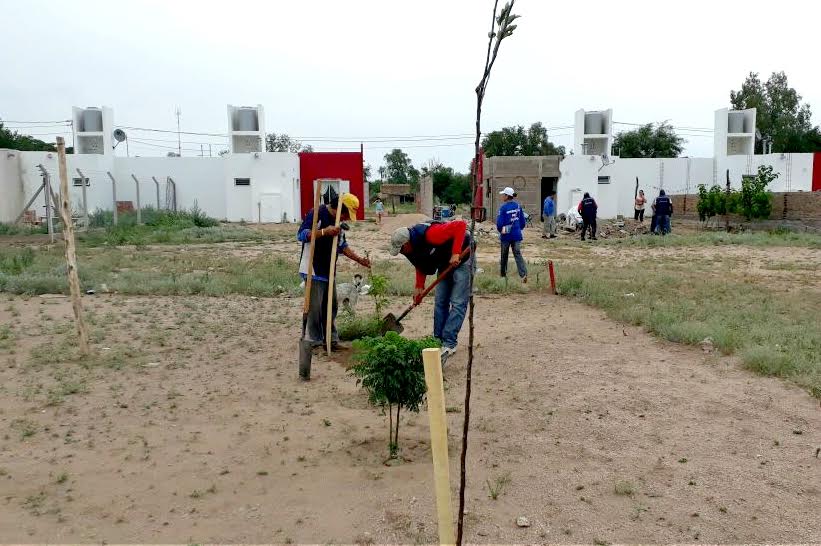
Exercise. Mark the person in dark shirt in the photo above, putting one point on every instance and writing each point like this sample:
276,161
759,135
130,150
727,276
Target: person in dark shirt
662,210
587,208
431,248
321,267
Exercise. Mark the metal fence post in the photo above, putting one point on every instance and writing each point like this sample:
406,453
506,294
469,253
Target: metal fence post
113,194
137,184
85,202
154,178
173,194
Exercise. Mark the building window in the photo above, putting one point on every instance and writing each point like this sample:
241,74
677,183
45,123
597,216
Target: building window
604,180
242,181
78,182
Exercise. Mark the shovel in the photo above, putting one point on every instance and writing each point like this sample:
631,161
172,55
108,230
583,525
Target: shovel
392,323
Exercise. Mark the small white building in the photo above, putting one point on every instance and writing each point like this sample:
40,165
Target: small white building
248,184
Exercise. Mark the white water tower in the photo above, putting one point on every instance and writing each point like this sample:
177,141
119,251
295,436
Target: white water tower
593,134
734,132
92,128
246,127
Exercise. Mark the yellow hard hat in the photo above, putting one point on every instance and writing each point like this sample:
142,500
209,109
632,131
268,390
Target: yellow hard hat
351,203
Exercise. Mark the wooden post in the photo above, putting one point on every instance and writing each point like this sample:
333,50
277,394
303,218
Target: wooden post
552,277
113,194
71,256
331,274
154,178
439,443
85,201
139,214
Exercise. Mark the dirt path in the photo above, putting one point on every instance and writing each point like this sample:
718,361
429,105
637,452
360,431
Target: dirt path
202,434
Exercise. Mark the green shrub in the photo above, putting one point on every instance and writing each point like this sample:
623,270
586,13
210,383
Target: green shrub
352,327
390,369
16,263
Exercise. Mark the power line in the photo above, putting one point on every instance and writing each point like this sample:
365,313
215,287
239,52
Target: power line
38,122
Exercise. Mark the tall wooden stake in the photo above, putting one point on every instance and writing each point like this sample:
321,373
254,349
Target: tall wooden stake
439,443
71,255
500,28
331,274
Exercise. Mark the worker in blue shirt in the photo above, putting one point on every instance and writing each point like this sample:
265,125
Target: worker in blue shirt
549,214
321,267
510,222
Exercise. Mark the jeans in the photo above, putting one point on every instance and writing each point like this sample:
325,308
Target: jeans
452,296
549,228
318,314
591,224
517,255
663,224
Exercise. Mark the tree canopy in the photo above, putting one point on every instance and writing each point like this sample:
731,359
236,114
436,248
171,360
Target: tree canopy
516,140
283,143
780,115
399,169
16,141
651,140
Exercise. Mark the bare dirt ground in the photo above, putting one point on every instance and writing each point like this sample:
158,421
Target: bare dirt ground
192,427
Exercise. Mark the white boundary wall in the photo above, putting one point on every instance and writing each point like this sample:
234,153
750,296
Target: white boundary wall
580,173
205,181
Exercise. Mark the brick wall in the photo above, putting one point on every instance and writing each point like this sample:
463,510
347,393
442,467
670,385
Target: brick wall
799,206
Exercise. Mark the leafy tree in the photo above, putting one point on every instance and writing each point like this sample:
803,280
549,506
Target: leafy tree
284,143
711,202
515,140
400,170
390,368
450,186
780,116
754,202
16,141
649,141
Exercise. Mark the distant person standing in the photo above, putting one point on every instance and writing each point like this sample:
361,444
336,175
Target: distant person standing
549,213
379,208
510,222
663,209
588,208
641,201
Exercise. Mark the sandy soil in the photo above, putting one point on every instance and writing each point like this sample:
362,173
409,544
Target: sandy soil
203,434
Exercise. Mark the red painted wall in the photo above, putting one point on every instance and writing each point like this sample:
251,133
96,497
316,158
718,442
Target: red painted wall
344,165
816,172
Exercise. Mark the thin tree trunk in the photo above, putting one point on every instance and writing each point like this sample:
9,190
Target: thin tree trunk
390,430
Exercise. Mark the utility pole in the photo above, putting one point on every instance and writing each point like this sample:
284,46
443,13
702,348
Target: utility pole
178,113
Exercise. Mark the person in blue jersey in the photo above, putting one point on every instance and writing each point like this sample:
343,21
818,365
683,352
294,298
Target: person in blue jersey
549,214
510,222
321,267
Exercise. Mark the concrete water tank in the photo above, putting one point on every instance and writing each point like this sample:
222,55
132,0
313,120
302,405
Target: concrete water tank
593,123
247,119
735,122
92,120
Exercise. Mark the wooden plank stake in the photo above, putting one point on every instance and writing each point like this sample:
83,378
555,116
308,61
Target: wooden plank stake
71,255
331,274
113,194
439,443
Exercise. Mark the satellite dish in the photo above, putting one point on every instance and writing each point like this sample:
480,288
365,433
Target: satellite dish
119,135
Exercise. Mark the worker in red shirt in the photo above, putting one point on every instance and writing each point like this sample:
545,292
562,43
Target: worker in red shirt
431,248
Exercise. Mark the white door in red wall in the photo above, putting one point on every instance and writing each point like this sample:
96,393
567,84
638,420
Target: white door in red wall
334,186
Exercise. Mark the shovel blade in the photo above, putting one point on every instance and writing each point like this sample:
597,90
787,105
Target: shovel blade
390,324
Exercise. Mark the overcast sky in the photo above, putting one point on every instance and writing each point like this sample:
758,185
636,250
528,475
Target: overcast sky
369,69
